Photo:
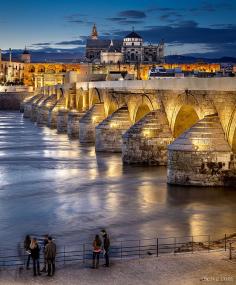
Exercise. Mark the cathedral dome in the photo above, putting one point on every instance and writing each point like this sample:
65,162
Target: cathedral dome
133,35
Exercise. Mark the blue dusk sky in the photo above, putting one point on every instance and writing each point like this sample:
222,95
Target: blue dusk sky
194,27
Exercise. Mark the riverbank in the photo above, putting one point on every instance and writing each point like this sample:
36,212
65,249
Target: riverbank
197,268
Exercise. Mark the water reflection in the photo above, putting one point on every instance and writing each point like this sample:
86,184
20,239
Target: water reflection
49,183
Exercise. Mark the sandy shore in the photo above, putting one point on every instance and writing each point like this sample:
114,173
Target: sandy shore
197,268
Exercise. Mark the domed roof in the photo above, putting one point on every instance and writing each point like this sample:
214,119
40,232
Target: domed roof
133,35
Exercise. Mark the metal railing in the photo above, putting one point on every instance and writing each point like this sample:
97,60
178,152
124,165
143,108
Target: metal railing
232,249
126,249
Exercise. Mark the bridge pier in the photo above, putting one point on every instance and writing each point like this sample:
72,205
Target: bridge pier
146,141
200,156
43,111
28,106
27,109
109,132
35,106
52,118
73,123
62,119
89,121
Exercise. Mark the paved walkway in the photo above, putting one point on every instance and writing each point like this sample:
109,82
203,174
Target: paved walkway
197,268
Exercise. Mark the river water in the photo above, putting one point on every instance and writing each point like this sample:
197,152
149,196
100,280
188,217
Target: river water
49,184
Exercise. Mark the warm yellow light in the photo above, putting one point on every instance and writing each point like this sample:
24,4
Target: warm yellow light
113,125
146,133
94,119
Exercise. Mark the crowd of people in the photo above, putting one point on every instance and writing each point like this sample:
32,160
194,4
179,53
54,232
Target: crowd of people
33,248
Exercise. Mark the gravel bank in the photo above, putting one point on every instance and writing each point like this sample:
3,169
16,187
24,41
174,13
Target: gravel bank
197,268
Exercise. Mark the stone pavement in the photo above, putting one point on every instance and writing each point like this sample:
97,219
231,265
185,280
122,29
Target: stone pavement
198,268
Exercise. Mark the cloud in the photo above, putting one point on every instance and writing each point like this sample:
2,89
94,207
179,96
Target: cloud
78,19
116,19
124,21
73,42
208,7
187,24
133,14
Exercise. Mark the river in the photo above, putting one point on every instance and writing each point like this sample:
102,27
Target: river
50,184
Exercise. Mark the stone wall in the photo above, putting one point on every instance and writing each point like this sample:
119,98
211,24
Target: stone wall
89,121
12,101
146,141
62,120
73,123
109,132
201,156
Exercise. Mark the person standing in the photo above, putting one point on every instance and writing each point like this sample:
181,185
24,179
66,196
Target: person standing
50,256
45,242
35,252
97,244
106,247
27,243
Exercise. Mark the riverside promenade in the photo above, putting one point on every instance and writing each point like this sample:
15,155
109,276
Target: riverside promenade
187,268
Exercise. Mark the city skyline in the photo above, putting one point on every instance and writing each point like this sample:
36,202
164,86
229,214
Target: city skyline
205,28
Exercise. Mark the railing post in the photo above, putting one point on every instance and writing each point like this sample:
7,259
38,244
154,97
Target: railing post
230,250
225,242
64,255
174,244
83,253
139,249
157,247
121,249
192,244
209,242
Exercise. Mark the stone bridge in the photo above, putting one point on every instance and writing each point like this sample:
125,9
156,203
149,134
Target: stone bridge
187,124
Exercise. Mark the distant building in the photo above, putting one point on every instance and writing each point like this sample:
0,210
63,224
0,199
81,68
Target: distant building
130,50
95,46
26,56
112,55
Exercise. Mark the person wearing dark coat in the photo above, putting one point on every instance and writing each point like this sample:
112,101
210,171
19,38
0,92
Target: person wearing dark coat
27,243
50,256
106,247
35,252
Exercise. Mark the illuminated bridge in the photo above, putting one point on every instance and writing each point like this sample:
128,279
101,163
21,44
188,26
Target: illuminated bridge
187,124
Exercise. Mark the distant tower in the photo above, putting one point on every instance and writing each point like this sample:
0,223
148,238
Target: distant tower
26,57
94,35
10,54
162,51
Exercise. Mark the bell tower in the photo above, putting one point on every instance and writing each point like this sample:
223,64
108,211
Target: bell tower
94,35
25,56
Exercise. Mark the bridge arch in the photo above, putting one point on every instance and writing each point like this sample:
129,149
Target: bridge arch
79,99
139,106
231,133
185,109
94,97
51,69
186,117
41,69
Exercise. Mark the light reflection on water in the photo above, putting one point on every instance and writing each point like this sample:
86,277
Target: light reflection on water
51,184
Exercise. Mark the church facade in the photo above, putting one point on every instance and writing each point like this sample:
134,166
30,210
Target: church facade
129,50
